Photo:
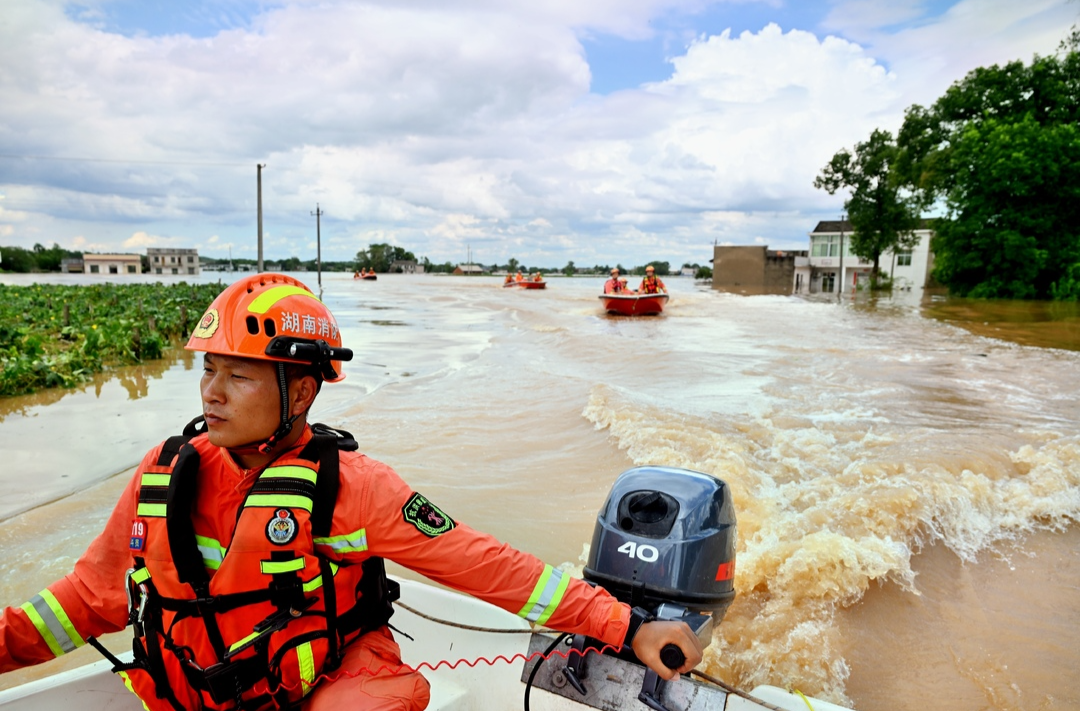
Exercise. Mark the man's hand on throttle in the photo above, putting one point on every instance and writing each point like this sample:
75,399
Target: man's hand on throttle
652,637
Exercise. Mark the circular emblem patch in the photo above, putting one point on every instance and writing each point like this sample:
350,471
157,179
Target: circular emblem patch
208,325
282,527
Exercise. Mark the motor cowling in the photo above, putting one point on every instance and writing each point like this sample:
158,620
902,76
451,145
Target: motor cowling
666,535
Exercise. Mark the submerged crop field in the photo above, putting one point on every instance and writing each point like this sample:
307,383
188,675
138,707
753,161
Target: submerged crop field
60,335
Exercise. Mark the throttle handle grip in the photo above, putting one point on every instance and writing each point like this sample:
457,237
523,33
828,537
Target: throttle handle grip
672,656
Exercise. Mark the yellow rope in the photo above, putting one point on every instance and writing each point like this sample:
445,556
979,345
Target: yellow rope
803,697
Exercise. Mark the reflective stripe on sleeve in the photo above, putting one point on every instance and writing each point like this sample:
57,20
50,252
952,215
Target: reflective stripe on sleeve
52,623
349,543
546,596
212,551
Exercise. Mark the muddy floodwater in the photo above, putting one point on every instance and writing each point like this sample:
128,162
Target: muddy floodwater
905,470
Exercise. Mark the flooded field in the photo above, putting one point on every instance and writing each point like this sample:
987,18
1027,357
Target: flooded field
906,471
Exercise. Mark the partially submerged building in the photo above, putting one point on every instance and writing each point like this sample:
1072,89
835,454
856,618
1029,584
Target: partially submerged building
831,268
754,270
406,266
171,260
112,263
469,269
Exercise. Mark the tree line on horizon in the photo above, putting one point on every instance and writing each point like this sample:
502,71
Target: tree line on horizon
999,155
381,257
377,257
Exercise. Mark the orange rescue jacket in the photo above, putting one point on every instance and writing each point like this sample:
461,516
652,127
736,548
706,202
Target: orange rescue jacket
651,285
243,542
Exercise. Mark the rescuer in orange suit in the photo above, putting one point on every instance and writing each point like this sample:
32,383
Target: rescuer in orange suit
247,553
615,285
651,283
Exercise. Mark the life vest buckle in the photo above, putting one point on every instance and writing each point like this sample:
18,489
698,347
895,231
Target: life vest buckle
205,604
274,623
135,613
227,681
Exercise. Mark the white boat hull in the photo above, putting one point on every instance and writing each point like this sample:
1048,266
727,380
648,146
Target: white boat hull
455,685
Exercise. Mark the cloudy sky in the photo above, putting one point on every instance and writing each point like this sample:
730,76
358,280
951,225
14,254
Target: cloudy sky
597,131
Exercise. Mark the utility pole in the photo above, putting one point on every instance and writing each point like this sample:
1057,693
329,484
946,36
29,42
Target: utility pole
318,243
258,173
840,287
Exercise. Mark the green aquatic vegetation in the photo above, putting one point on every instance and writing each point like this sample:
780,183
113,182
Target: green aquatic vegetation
54,335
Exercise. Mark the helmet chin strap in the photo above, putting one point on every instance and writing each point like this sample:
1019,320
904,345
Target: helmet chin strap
286,425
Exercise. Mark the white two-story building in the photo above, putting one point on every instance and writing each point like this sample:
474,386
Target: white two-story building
173,260
831,268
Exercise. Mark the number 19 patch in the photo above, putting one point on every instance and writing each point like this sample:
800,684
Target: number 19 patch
138,535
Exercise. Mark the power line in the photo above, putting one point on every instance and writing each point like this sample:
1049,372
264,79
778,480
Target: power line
122,160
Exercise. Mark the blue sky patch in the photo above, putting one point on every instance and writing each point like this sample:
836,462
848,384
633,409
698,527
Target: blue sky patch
157,18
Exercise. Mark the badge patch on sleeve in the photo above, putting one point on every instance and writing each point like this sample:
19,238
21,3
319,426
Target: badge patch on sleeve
426,516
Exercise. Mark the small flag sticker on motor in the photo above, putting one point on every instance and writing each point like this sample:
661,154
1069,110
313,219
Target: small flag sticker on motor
726,571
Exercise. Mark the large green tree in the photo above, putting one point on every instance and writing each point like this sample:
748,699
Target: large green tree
1001,150
882,212
380,256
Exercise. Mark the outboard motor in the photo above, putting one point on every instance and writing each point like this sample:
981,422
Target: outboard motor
664,541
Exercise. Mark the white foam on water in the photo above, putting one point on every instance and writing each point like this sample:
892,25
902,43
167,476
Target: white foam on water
827,505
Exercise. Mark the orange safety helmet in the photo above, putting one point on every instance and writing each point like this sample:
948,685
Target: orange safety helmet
272,317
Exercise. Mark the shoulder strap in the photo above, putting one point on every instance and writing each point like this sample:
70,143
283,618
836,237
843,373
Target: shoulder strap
376,592
185,551
171,448
344,440
192,428
323,449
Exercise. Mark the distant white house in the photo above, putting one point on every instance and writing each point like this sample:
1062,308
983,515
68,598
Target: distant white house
169,260
112,263
472,269
827,271
406,266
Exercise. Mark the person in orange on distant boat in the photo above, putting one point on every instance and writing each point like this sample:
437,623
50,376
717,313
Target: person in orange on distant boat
651,284
518,277
509,278
615,285
355,275
537,277
611,286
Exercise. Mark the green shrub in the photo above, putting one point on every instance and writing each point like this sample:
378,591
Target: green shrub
106,325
